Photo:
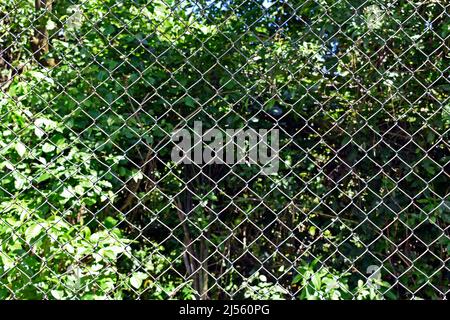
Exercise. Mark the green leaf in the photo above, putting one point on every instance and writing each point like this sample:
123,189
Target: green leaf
20,149
316,281
67,194
137,278
189,101
39,132
43,177
137,176
32,232
47,147
50,25
297,279
57,294
19,181
110,222
41,76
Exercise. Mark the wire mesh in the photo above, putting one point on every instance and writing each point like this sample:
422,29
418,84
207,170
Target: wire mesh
123,176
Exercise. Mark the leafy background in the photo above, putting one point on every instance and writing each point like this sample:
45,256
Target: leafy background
92,207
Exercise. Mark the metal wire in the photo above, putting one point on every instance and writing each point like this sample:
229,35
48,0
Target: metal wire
354,202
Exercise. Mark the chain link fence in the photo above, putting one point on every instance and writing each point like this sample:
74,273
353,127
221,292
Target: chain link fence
228,149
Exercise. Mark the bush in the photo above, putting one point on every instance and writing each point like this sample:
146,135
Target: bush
92,206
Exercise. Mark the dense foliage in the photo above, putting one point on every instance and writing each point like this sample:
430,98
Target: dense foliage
91,205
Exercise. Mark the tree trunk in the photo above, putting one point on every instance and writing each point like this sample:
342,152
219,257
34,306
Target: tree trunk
40,42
